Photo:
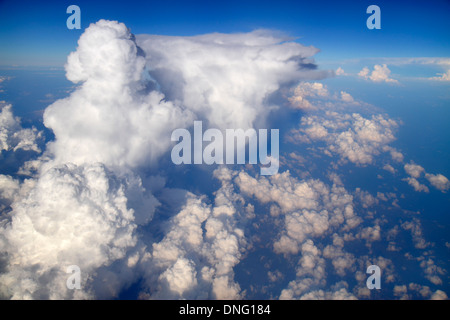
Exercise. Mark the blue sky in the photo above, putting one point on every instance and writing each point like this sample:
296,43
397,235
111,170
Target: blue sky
35,33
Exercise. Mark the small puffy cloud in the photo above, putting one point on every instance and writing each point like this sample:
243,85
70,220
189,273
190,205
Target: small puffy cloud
366,199
439,295
423,291
442,76
342,261
304,289
414,170
353,137
415,227
401,292
370,234
4,78
364,72
413,182
340,72
432,271
438,181
275,276
395,154
313,96
389,168
310,207
346,97
196,257
305,91
380,73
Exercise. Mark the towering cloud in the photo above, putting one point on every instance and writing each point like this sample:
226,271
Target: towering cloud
228,78
112,117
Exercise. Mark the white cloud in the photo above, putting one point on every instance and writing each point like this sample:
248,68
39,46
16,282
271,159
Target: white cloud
424,291
306,90
181,276
395,154
389,168
351,136
196,257
416,185
13,136
4,78
442,76
366,199
346,97
307,206
74,215
439,295
332,119
275,276
227,78
442,62
438,181
380,73
340,72
370,234
414,170
342,261
364,73
311,96
296,290
432,271
110,118
415,227
9,189
401,292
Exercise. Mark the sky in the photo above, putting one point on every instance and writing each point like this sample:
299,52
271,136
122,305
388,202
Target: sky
35,33
90,119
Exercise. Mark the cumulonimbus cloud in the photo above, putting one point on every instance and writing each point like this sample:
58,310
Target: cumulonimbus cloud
85,199
228,78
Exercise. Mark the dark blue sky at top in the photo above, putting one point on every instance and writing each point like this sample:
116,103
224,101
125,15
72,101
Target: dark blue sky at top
35,32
